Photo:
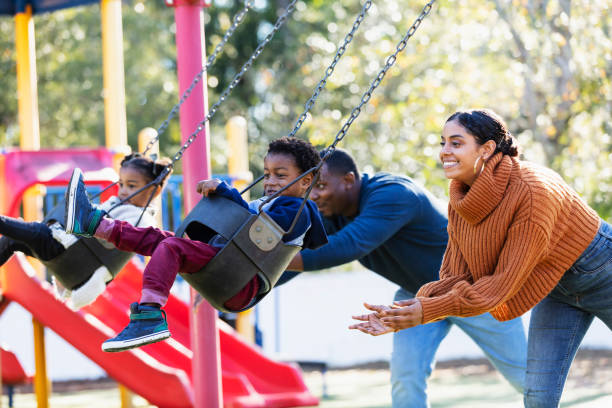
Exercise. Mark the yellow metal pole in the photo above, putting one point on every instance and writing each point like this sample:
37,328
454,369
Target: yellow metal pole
126,397
27,94
41,384
1,388
113,74
30,140
238,166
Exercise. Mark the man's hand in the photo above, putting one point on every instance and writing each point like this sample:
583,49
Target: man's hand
205,187
371,323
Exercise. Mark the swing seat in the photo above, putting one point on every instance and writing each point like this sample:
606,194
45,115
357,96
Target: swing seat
80,260
254,248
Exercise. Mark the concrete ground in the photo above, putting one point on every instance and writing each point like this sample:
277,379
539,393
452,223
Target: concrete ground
459,384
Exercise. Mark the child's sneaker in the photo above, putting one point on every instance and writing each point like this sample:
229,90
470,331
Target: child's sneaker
147,325
82,218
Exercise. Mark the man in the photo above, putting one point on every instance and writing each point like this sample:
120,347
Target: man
397,229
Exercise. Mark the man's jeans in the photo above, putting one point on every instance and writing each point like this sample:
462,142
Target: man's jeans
414,350
560,321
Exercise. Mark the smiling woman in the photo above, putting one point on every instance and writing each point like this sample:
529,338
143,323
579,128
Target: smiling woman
519,238
469,139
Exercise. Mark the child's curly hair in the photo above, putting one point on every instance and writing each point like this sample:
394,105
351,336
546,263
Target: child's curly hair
304,154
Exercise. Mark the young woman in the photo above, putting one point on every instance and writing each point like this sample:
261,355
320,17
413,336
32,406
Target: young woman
519,237
47,242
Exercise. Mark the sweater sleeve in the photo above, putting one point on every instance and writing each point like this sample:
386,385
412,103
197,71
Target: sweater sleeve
525,246
448,276
385,212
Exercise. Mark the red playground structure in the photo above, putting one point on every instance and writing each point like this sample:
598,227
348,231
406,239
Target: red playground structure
161,372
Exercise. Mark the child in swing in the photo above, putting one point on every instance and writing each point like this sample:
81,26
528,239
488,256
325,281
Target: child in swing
48,241
287,158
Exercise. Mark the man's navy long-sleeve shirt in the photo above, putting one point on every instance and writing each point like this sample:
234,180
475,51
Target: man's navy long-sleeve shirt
399,233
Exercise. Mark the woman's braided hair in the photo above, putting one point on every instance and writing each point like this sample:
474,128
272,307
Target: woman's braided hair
485,125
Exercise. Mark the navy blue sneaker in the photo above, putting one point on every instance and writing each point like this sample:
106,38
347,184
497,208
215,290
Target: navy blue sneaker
147,325
82,218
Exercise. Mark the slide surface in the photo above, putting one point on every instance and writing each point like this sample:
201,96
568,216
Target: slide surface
160,372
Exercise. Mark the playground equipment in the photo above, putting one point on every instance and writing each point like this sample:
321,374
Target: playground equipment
189,36
162,373
189,52
12,373
254,241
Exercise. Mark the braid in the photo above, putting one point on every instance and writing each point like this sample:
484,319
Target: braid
485,125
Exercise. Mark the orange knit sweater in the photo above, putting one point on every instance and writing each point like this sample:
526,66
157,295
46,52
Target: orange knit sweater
512,236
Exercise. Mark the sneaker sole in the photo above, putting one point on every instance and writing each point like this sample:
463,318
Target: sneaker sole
114,346
70,203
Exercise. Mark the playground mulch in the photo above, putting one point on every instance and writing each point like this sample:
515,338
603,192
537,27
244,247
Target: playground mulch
457,383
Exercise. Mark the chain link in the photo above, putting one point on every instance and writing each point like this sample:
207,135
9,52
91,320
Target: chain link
238,18
376,82
330,69
211,112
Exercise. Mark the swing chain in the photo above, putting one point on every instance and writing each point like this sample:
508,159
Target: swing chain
368,94
247,65
330,69
237,20
354,114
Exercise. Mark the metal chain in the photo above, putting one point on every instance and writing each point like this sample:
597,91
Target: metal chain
238,18
279,23
368,94
330,69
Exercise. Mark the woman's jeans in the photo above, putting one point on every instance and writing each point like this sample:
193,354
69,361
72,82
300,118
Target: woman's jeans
31,238
560,321
414,350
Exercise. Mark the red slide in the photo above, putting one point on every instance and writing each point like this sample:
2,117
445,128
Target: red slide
160,372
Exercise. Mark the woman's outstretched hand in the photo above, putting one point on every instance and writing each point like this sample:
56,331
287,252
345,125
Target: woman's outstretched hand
404,314
385,319
371,323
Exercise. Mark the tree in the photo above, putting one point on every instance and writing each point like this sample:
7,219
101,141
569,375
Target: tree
543,65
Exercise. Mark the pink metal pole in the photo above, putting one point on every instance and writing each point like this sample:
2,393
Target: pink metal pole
206,364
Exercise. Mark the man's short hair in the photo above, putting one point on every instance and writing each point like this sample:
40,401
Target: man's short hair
340,162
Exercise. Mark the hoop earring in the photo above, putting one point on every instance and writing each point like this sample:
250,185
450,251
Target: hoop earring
481,167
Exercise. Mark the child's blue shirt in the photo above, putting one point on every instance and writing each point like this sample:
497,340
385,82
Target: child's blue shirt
308,231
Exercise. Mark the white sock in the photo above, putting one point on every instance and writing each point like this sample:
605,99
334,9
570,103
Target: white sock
91,289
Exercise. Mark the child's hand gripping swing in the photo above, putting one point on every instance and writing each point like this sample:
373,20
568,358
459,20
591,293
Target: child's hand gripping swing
241,280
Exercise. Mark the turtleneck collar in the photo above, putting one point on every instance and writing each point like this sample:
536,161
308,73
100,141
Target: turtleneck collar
476,202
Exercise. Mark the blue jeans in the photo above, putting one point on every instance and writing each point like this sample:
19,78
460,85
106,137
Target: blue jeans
560,321
414,350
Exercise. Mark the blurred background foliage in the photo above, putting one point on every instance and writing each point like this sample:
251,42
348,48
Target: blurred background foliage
545,66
